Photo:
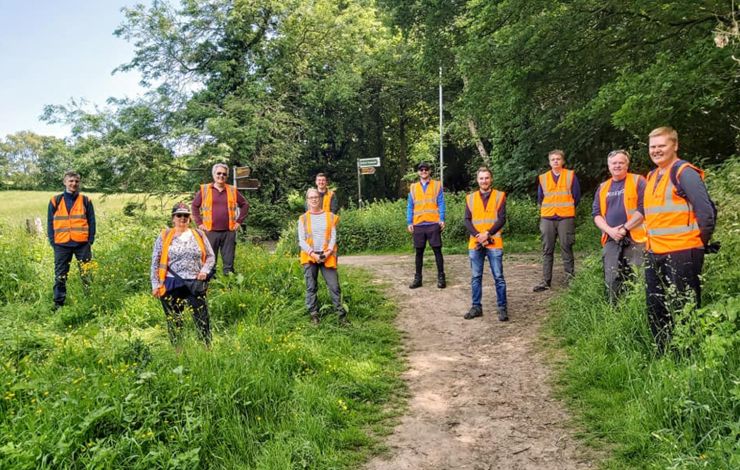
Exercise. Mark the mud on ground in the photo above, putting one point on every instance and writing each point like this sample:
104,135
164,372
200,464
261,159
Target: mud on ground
480,392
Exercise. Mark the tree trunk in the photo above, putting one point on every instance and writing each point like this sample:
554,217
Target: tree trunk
478,143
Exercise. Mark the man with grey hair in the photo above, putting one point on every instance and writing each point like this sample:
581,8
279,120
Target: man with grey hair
618,212
219,209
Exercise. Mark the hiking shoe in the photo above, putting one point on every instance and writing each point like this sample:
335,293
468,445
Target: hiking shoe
315,318
416,283
542,286
473,313
502,314
441,282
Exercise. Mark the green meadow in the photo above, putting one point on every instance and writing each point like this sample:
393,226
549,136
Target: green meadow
97,384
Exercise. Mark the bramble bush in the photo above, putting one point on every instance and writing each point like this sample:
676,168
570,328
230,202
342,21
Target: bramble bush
97,384
681,410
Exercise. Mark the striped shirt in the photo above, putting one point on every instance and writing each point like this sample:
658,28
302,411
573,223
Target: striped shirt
318,227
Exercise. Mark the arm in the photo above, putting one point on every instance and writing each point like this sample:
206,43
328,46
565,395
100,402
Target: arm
638,216
156,256
500,220
195,208
334,203
302,237
441,205
576,189
243,205
540,193
90,213
410,213
696,193
50,223
469,222
612,232
210,258
332,240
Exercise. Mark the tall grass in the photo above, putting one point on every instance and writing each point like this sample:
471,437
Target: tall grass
381,227
681,410
98,385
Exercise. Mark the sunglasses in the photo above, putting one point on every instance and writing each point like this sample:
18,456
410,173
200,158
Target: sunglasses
423,169
182,216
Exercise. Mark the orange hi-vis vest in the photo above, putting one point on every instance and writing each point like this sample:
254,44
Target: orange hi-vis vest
670,220
485,217
206,206
558,197
304,257
167,236
326,204
637,233
425,203
70,225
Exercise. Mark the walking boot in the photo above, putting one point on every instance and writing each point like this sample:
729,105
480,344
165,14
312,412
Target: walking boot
502,314
315,318
441,282
474,312
542,286
416,283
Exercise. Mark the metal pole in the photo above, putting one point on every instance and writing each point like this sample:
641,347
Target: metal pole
441,134
359,186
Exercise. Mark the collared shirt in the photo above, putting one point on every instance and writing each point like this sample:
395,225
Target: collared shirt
440,205
220,209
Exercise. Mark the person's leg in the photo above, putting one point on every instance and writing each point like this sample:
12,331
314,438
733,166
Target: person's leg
684,270
173,304
476,279
610,255
62,259
310,273
435,241
331,277
659,317
566,229
83,254
548,231
214,238
496,261
420,241
200,317
228,251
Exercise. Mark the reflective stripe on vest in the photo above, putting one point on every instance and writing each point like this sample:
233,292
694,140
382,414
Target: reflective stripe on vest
557,197
206,206
425,203
483,218
70,226
304,257
630,200
167,236
670,220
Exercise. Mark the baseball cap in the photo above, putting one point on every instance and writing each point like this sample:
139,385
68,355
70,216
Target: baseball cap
180,208
423,165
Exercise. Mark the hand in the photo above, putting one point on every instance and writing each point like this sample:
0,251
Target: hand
615,233
482,238
155,292
327,253
201,276
202,227
441,226
315,256
410,228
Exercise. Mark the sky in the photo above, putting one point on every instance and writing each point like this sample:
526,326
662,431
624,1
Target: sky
54,50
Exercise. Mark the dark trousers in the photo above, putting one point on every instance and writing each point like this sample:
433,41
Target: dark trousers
62,259
331,277
620,263
671,282
565,231
174,304
437,258
225,242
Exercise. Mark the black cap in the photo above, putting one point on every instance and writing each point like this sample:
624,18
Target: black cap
180,208
423,165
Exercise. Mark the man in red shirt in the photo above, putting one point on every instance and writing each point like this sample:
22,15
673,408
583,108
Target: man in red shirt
219,209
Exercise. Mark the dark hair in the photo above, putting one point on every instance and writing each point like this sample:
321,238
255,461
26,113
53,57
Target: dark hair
318,175
71,174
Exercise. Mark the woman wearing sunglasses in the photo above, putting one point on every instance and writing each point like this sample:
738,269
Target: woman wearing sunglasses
181,261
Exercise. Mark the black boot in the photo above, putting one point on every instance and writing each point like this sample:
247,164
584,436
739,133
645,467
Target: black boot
315,318
474,312
441,282
503,314
416,283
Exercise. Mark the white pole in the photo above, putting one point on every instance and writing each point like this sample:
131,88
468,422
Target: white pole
441,134
359,186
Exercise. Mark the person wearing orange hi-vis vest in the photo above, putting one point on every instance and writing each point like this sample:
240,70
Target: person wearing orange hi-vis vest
317,238
219,210
425,220
679,219
485,216
182,259
618,213
71,232
327,198
558,194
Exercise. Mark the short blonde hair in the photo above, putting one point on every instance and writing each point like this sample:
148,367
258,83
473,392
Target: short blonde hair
311,190
665,130
556,152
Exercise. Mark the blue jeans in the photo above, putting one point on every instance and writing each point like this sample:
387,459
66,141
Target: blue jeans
495,260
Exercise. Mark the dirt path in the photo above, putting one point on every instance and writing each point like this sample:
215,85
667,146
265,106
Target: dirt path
480,397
